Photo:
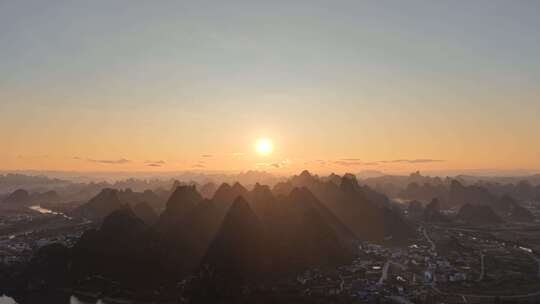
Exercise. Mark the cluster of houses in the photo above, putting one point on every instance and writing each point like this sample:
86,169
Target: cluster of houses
406,273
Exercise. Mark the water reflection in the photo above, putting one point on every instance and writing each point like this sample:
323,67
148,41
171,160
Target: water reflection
75,300
42,210
7,300
72,300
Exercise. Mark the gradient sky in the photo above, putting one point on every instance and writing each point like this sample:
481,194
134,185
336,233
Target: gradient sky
337,85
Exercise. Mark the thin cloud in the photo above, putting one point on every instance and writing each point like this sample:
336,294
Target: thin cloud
109,161
320,162
354,162
160,162
280,164
346,163
199,166
411,161
32,156
207,155
156,163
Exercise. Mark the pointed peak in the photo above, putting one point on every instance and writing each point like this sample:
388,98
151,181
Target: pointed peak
240,210
184,195
415,174
237,187
348,184
305,173
350,176
175,185
122,219
301,192
223,187
106,194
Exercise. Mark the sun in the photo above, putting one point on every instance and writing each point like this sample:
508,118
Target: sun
264,146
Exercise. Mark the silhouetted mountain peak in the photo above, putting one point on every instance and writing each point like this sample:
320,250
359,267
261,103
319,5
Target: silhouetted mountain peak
237,188
239,210
227,194
305,174
222,190
238,248
184,198
100,205
18,196
175,185
334,178
121,221
106,194
262,190
301,194
349,184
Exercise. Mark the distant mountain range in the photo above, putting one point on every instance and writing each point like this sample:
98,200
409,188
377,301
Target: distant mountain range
236,236
229,235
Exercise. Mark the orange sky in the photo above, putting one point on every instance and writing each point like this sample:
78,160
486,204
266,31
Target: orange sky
338,87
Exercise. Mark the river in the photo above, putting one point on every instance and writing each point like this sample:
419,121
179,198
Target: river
42,210
72,300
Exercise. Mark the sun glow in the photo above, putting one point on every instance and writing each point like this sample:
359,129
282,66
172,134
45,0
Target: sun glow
264,146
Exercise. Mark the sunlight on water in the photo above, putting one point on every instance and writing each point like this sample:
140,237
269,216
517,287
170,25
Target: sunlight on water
75,300
42,210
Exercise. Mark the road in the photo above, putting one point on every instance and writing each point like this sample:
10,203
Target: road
384,274
428,239
483,268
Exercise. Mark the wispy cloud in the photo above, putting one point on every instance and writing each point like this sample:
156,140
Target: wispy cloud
352,162
160,162
320,162
280,164
199,166
348,163
207,155
109,161
154,163
32,156
411,161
